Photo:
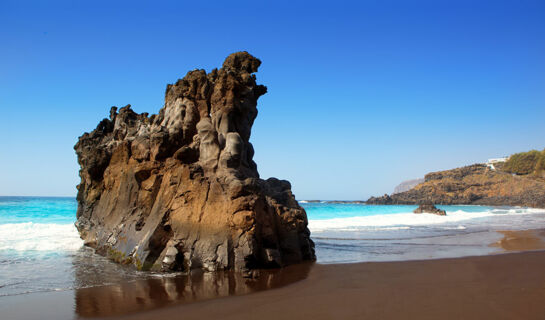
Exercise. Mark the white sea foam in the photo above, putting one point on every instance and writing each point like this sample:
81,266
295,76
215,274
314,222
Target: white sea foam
409,219
39,237
459,227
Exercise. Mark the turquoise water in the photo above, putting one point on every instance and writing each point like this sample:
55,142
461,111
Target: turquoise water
353,221
358,232
37,210
323,211
40,249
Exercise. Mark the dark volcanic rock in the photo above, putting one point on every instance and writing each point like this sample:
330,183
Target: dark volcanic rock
179,189
428,207
476,184
385,199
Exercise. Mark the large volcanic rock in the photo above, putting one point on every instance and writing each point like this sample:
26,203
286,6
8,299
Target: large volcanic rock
179,190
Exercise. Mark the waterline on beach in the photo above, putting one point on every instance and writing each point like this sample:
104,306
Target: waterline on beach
39,234
346,233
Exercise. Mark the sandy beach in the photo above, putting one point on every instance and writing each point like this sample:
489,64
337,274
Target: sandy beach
509,286
498,286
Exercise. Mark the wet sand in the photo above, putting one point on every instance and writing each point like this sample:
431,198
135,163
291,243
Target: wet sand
505,286
522,240
498,286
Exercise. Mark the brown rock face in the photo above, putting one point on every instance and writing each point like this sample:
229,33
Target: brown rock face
428,207
179,190
476,184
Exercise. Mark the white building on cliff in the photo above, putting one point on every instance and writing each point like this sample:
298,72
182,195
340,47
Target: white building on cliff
491,162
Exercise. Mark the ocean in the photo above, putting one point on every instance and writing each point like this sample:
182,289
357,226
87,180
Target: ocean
346,233
40,249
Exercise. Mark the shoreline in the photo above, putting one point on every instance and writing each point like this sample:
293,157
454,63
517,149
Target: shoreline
499,286
504,285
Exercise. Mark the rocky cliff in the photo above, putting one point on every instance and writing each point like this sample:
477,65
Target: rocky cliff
179,189
475,184
407,185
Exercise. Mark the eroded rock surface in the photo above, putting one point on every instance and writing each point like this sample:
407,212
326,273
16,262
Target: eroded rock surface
429,207
179,190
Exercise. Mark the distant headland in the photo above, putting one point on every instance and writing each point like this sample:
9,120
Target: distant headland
518,180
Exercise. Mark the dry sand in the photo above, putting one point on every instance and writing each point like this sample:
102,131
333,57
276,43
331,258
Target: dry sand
506,286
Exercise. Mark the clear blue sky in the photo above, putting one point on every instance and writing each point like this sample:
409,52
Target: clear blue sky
362,95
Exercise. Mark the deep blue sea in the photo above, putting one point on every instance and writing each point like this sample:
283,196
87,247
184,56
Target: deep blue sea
40,249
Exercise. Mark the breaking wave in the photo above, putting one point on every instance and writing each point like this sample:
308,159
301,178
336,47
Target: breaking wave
29,236
406,220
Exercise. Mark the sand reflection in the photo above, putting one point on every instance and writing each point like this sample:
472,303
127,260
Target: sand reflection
145,294
522,240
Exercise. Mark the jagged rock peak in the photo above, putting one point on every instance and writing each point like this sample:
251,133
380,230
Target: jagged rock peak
179,189
242,61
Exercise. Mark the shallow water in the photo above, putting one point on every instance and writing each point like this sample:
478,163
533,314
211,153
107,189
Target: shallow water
40,249
127,297
357,232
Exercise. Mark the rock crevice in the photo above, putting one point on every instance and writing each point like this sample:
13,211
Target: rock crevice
179,189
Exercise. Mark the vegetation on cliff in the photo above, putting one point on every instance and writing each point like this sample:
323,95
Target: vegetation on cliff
531,162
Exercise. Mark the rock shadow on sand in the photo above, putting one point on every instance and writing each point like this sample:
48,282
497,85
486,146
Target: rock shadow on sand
157,292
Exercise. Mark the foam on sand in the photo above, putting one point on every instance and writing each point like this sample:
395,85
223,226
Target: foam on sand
409,219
